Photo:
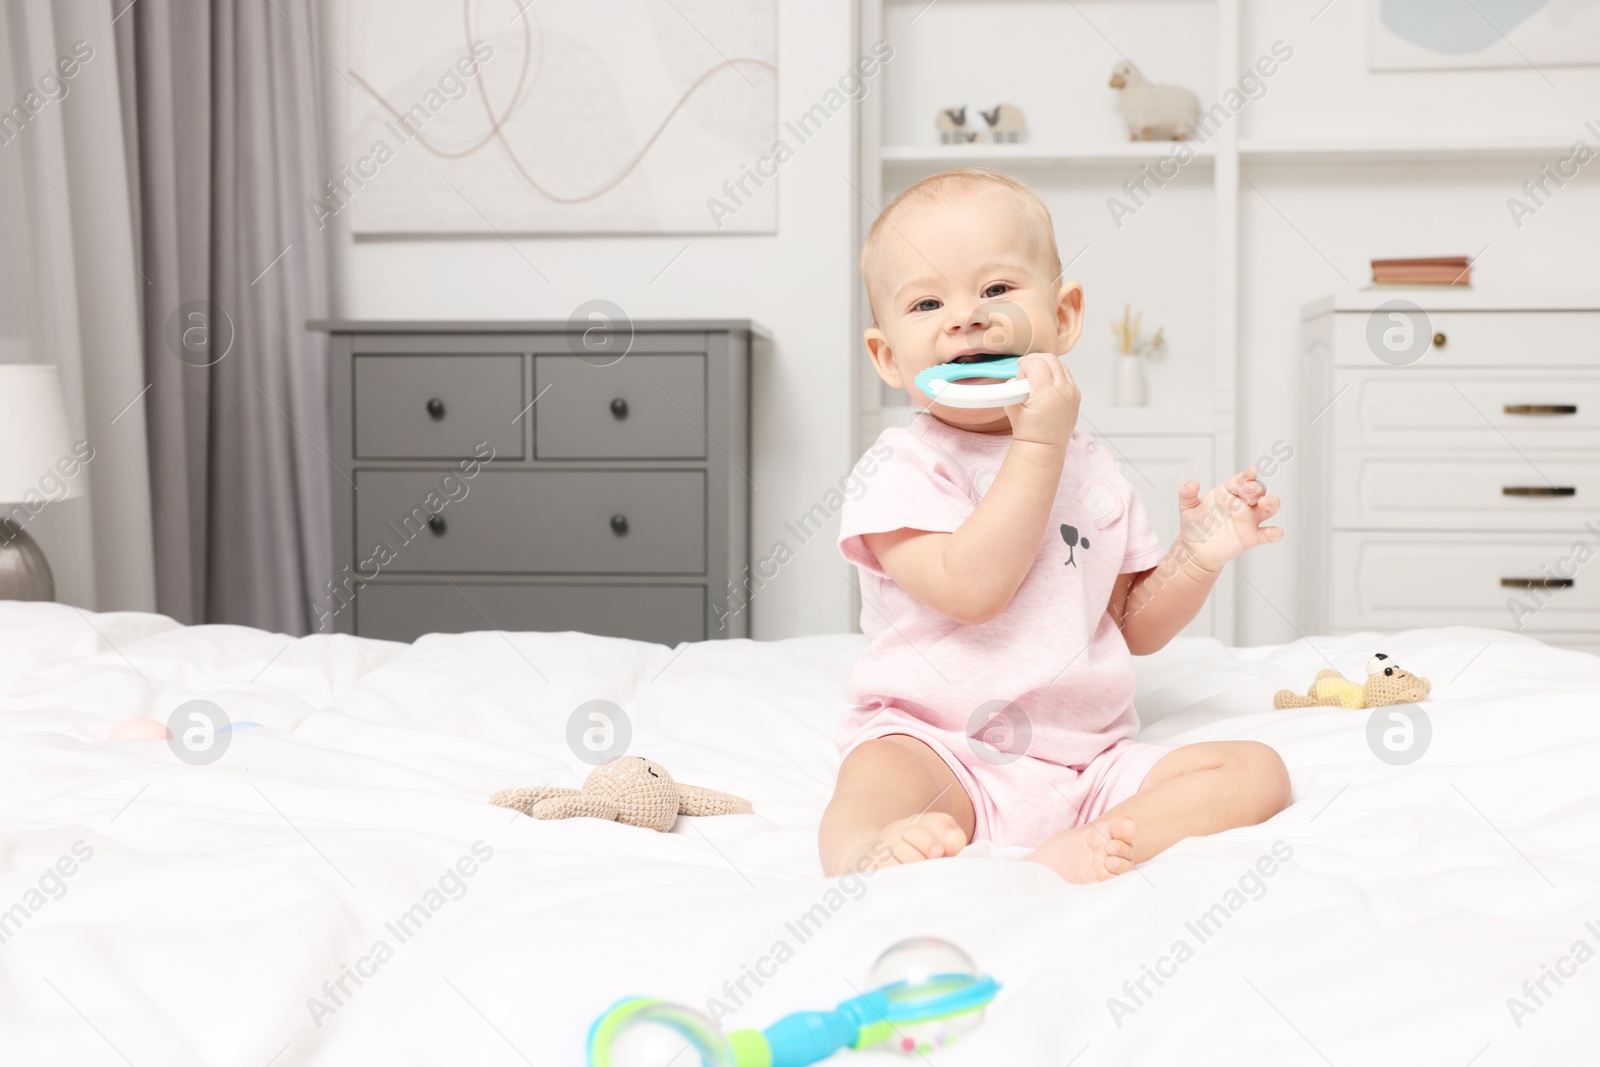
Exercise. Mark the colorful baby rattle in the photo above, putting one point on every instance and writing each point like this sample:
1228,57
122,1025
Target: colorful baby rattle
942,384
925,994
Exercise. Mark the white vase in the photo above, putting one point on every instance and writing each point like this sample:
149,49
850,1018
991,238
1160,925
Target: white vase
1128,388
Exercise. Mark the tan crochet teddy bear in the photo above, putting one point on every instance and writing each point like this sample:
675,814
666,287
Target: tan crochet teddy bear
631,790
1386,684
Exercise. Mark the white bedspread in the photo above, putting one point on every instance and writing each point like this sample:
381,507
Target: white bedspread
210,910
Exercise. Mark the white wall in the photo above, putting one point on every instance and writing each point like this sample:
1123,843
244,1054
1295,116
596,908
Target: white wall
1324,223
797,283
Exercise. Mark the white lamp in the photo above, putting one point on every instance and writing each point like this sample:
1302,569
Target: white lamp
36,456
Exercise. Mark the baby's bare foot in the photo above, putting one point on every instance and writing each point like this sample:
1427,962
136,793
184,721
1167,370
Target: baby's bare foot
928,836
1090,853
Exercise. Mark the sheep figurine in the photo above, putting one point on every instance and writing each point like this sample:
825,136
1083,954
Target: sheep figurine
1005,123
952,126
1153,112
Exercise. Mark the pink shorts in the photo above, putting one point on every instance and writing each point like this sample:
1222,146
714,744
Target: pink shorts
1025,800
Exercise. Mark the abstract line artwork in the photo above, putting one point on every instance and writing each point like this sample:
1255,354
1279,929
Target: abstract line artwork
511,116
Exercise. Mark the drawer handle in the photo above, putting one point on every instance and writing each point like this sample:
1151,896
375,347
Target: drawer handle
619,408
1538,583
619,525
1541,409
1538,490
436,524
1438,340
436,407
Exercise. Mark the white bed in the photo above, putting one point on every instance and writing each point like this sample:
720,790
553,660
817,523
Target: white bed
219,899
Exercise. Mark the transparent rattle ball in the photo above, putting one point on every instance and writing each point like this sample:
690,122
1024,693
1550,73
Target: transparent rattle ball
918,960
666,1035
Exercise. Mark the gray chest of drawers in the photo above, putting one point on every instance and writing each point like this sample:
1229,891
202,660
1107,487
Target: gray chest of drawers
502,475
1452,467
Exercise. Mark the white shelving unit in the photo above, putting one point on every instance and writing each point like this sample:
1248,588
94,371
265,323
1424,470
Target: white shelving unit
1025,155
1422,150
1077,158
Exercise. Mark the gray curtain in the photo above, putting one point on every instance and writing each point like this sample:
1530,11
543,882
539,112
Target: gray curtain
69,293
223,124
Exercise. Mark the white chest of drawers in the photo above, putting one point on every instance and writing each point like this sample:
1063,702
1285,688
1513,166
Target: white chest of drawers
1452,459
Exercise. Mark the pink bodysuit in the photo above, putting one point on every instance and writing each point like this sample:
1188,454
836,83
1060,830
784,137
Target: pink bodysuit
1033,710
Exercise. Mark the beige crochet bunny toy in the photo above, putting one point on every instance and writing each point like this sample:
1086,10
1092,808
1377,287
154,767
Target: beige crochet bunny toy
1386,684
630,789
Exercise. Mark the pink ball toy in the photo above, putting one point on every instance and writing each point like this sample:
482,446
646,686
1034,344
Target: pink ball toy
140,730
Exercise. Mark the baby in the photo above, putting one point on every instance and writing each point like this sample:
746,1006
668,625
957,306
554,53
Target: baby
1008,575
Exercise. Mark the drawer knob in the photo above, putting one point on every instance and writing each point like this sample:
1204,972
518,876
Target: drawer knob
1538,490
619,408
436,407
1541,409
619,525
436,524
1438,340
1538,583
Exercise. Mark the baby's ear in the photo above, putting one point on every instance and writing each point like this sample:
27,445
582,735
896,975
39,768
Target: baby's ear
882,357
1069,316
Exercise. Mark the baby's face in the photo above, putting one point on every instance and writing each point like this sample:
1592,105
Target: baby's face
962,281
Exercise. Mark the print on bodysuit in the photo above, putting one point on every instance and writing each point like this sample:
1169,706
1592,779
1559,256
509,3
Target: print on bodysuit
1069,534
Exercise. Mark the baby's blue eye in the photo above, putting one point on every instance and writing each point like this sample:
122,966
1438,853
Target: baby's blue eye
1002,286
929,304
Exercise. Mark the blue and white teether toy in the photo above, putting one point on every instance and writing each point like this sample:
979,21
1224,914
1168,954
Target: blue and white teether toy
943,384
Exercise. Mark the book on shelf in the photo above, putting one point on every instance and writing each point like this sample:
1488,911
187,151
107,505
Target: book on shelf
1436,270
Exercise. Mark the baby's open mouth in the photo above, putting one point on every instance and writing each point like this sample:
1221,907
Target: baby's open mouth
984,356
980,356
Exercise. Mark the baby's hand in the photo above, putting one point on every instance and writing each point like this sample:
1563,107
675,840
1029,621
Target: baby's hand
1226,522
1050,413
